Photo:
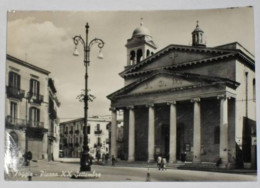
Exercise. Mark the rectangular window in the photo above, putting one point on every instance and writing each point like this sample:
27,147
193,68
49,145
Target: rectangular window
88,129
13,111
98,140
34,87
98,127
34,117
14,80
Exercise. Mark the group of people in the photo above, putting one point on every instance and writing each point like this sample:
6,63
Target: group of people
161,163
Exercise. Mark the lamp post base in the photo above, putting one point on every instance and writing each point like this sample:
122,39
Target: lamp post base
85,162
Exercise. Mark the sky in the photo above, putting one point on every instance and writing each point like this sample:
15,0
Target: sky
44,38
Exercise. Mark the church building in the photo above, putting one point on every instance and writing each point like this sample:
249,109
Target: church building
187,102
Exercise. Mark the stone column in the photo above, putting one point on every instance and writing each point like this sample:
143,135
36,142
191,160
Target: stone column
131,136
173,132
113,133
151,124
196,131
223,139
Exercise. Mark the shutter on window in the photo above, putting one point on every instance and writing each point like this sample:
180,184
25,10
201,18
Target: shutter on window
38,115
31,85
18,81
10,79
38,87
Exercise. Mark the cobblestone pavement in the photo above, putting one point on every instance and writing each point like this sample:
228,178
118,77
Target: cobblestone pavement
56,171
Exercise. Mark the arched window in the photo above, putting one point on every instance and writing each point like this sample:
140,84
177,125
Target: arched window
216,135
139,55
132,57
254,89
147,53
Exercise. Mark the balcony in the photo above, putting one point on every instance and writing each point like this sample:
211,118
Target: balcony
98,131
71,132
65,132
51,136
36,98
15,122
33,129
97,145
36,124
14,93
76,131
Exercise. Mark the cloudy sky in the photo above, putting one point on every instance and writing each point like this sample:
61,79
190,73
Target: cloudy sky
45,39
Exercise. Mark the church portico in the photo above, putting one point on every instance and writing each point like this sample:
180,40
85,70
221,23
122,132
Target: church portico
176,129
182,102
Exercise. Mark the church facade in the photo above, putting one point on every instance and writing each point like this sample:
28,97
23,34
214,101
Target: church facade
187,103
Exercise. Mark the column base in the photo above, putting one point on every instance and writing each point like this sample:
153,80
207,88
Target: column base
131,160
196,161
150,161
172,161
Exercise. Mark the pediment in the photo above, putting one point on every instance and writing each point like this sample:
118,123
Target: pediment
175,55
163,82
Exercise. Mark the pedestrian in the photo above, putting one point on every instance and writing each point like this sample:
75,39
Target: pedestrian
106,157
164,164
159,161
113,160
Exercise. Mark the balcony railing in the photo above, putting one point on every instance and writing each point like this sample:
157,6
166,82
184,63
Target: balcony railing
36,98
98,131
76,131
14,93
15,121
36,124
22,122
71,132
97,145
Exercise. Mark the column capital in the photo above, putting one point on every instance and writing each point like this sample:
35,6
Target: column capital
113,109
223,97
171,102
130,107
195,100
149,105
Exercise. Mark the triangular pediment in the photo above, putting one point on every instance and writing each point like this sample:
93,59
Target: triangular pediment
174,55
165,81
162,82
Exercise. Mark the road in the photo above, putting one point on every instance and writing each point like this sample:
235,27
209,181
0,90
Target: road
56,171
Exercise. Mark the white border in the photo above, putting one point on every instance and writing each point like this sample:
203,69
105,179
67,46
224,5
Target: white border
118,5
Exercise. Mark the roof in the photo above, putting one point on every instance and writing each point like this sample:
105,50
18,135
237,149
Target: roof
219,53
26,64
90,119
210,80
140,31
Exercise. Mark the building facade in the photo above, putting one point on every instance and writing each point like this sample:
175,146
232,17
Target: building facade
71,137
53,133
27,118
192,103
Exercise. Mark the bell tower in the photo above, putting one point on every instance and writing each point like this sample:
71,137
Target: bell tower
140,45
197,37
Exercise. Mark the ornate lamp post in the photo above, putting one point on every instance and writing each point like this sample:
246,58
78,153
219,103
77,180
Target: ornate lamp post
85,161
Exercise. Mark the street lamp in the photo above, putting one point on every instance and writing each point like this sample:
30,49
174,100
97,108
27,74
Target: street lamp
85,161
